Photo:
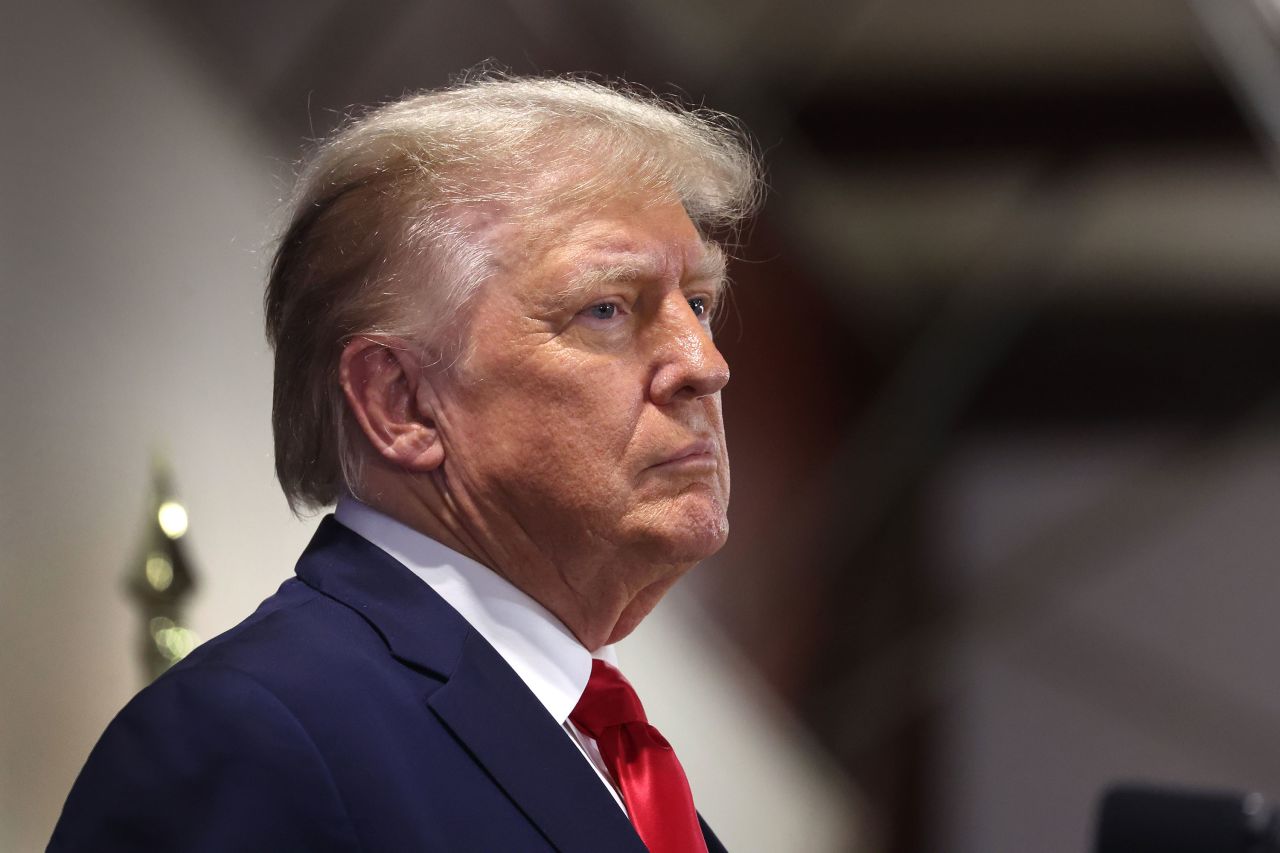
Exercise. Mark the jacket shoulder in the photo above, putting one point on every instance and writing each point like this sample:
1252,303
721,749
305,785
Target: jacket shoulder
206,758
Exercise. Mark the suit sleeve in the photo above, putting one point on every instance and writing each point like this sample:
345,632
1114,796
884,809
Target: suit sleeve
205,759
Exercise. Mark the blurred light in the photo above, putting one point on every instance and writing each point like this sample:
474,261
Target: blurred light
160,623
173,519
159,572
175,642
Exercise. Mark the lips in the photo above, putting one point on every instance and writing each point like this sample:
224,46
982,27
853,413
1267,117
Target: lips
700,452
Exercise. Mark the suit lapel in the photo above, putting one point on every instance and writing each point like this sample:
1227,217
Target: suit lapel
419,626
524,749
482,702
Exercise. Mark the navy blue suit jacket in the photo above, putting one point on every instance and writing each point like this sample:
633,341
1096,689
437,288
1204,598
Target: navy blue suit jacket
354,710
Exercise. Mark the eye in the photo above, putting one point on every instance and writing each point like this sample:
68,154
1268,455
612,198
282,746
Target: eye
603,315
699,306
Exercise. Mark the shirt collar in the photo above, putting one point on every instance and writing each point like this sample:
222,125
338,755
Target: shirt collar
542,651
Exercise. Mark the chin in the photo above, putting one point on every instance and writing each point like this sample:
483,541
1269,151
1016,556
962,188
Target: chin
703,539
689,531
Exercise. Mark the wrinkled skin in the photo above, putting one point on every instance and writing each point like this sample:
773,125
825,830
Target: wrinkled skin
577,447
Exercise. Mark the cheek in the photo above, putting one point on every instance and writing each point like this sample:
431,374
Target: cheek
567,432
716,416
591,426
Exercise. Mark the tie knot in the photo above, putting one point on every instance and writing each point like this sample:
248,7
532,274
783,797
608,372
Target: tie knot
609,700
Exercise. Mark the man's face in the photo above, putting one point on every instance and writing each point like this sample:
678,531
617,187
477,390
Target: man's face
585,418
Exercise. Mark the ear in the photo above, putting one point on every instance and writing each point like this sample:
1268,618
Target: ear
382,383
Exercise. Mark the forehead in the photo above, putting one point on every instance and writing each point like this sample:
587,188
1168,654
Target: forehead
630,241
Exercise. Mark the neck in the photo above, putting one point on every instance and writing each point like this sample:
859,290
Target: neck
586,592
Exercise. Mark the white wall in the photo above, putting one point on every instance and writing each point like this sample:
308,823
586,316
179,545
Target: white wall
137,203
1146,648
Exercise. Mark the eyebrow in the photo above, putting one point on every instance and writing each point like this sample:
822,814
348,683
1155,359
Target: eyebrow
640,267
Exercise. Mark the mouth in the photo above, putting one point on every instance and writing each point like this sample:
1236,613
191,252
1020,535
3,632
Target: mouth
695,455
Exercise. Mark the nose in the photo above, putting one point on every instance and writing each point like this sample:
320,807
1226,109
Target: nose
688,364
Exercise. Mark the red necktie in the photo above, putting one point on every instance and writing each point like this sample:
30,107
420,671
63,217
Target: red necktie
642,763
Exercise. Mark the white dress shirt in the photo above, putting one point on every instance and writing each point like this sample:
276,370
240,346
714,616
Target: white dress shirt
542,651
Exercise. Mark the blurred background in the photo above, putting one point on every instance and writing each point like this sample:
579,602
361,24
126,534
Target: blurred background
1003,417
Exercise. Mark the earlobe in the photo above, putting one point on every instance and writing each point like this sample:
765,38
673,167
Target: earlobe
382,383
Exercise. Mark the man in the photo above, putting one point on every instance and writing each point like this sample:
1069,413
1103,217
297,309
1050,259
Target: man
491,319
